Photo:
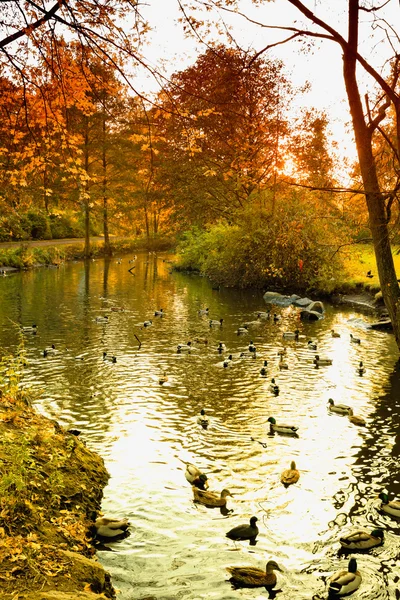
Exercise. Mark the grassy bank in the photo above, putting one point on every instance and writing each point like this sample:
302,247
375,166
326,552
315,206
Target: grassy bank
50,483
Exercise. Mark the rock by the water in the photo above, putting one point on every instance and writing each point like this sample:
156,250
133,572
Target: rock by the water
282,300
383,325
310,315
302,302
316,306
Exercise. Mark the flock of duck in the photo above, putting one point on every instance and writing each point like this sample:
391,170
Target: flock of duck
342,582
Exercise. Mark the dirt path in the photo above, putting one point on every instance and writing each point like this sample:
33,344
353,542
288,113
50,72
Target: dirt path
63,242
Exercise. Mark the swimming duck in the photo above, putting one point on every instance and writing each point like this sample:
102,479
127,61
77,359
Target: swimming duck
242,330
390,507
203,311
107,358
355,419
282,352
29,328
210,498
248,354
321,362
196,477
228,361
340,409
184,347
163,379
244,532
291,335
290,475
264,315
354,339
274,387
345,582
110,528
311,345
361,369
159,313
263,370
276,318
214,323
362,540
252,347
202,419
335,334
101,319
148,323
290,429
50,350
221,347
252,577
282,364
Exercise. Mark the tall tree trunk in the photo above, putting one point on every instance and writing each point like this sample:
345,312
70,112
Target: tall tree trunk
146,220
86,189
107,248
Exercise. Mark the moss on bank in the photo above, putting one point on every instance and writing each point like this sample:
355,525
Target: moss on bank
50,484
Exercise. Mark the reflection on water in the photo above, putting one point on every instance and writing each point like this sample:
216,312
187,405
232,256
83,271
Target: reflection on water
146,432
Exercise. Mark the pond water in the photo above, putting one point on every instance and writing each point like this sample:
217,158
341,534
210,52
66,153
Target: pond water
146,432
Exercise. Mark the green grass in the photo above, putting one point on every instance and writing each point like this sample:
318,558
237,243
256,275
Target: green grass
358,260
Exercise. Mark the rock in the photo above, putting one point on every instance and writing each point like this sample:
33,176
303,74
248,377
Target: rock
310,315
277,298
382,325
317,307
302,302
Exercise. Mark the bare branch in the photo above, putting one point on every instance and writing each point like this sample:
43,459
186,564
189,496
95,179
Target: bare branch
29,28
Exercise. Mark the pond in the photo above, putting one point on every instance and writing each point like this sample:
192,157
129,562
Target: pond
147,431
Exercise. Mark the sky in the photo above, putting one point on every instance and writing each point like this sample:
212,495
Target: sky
320,65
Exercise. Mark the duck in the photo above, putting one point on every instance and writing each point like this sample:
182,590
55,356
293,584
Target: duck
210,498
101,319
202,418
355,419
274,387
311,345
242,330
248,354
203,311
362,540
282,364
196,477
335,334
290,475
355,340
361,369
369,274
163,379
148,323
110,528
263,370
184,347
221,347
159,313
340,409
291,335
390,507
253,577
29,328
323,362
214,323
252,347
290,429
107,358
227,362
264,315
50,350
345,582
244,532
282,352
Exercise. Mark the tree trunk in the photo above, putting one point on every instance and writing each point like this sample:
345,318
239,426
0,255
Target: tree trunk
86,190
107,248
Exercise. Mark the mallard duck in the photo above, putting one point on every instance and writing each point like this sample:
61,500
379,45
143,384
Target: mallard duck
202,419
282,352
248,354
362,540
390,507
252,577
345,582
148,323
274,387
242,330
50,350
29,328
340,409
356,420
110,528
264,315
101,319
221,347
163,379
203,311
107,358
159,313
214,323
276,318
184,347
210,498
290,475
196,477
244,532
291,429
263,370
335,334
227,362
311,345
354,339
291,335
361,369
282,364
321,362
252,347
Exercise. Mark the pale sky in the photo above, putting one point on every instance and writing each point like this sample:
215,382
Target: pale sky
321,66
